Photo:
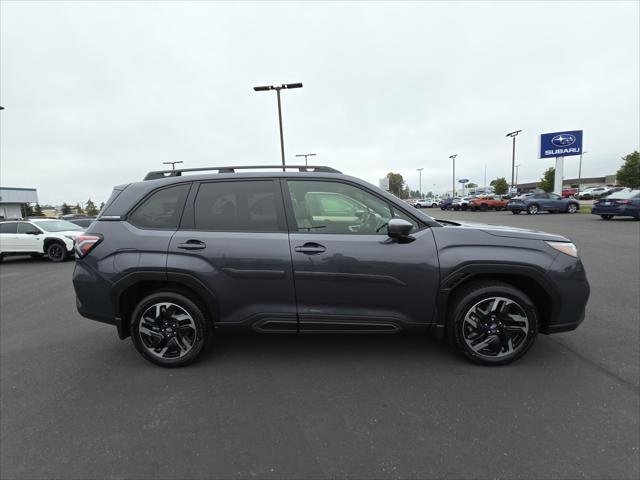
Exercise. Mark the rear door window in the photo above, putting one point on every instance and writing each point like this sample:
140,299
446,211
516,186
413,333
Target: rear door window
246,206
8,227
162,209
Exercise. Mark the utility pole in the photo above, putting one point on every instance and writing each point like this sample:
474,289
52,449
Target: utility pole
305,155
453,182
580,173
420,181
173,164
277,88
517,167
513,155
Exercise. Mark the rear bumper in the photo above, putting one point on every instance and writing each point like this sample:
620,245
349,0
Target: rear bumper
620,210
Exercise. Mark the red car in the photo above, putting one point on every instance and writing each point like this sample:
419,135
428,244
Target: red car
569,192
488,203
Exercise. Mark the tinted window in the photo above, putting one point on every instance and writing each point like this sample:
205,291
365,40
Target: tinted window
554,196
8,227
162,209
24,227
249,206
334,207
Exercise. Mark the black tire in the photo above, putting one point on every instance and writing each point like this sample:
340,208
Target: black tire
484,207
572,208
516,212
606,217
1,257
57,252
443,208
463,207
460,330
533,209
197,338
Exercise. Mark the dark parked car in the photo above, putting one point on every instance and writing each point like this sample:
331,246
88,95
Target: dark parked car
175,258
539,202
83,222
447,203
619,204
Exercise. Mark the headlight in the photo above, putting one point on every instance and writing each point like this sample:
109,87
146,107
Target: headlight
565,247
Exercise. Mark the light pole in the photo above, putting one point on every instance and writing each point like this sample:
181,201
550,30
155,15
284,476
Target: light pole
513,154
453,182
517,167
580,173
173,164
420,181
305,155
277,88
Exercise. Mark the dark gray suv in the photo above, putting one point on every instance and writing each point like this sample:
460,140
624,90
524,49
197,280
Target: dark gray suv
175,258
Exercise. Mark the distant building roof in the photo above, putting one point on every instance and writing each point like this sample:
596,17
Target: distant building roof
18,195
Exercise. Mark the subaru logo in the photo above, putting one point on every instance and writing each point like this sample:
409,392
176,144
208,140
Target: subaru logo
563,140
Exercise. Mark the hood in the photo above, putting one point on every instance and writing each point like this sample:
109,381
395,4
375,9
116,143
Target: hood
512,232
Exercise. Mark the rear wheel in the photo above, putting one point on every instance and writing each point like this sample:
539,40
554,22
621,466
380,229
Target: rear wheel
57,252
533,209
169,329
492,323
572,208
606,217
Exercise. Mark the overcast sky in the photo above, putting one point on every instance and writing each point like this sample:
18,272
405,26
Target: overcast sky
97,94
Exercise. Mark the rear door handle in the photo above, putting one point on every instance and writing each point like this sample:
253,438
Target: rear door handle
310,248
192,245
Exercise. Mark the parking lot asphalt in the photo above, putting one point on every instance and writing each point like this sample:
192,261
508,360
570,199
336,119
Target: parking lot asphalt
76,402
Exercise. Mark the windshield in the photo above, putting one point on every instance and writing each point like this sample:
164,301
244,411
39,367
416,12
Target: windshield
622,195
57,226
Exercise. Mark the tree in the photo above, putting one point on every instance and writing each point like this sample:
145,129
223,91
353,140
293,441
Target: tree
27,210
628,175
65,209
101,206
547,180
91,209
472,185
500,186
78,209
429,194
37,211
396,183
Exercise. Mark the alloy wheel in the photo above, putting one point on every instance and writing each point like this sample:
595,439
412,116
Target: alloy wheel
167,330
572,208
495,327
55,252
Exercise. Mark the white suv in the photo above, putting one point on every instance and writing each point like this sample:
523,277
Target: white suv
55,238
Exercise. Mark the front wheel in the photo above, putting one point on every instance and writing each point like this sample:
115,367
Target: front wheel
606,217
572,208
169,329
492,323
533,209
57,252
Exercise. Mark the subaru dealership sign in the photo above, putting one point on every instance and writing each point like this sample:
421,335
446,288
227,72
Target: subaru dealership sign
561,144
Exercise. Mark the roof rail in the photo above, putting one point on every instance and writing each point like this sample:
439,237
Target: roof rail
231,169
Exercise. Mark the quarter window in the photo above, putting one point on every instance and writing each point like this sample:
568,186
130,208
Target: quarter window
246,206
162,210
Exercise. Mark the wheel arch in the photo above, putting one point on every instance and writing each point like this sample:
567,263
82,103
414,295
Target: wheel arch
529,279
133,288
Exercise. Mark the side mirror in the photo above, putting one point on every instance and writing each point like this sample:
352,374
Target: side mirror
399,228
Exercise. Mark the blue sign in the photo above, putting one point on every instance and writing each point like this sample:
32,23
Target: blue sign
561,144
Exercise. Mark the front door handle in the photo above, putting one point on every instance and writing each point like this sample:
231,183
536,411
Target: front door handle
310,248
192,245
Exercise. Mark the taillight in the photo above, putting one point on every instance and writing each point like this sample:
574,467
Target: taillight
86,243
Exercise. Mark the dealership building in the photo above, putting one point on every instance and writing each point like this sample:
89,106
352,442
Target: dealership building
13,201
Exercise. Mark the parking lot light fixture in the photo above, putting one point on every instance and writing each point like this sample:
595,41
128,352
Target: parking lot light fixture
453,184
305,155
513,155
277,88
173,164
